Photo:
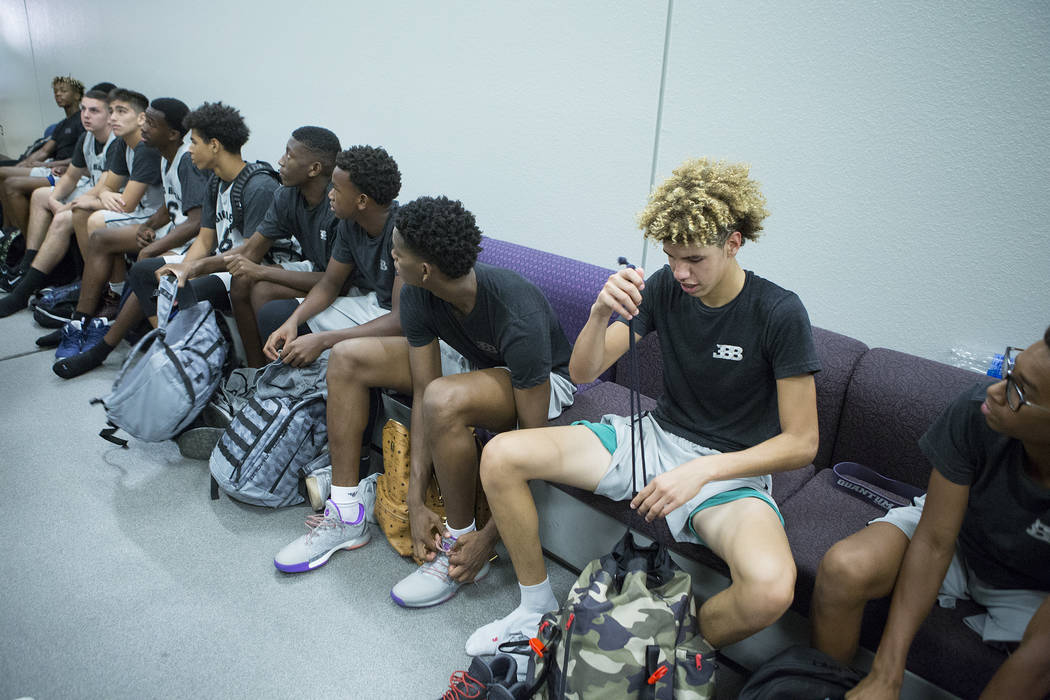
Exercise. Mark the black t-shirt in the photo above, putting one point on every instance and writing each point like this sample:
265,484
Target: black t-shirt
373,264
1005,534
141,164
314,227
720,365
65,136
511,325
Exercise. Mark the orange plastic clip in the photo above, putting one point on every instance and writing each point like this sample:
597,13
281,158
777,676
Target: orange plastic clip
658,674
699,661
568,623
537,646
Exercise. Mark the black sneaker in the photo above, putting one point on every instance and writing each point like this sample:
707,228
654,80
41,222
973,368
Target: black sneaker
55,316
12,278
49,297
51,340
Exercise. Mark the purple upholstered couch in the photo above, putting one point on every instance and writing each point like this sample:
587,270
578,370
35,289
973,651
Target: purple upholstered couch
873,405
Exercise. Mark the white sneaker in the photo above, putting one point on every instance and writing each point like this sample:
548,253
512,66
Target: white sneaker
328,534
519,625
430,584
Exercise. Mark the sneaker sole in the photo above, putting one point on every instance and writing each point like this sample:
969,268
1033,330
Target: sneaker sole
481,574
321,561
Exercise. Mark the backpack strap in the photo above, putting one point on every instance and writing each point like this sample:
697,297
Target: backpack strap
867,484
166,292
249,171
635,401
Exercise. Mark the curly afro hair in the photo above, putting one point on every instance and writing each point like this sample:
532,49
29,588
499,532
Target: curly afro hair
702,203
372,171
440,231
214,120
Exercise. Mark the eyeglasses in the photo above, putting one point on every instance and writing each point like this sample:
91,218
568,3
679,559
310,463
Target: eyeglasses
1014,394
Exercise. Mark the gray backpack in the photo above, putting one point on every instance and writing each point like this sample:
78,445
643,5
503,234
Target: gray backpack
273,438
169,376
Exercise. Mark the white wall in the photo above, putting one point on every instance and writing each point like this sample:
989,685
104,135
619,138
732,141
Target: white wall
903,147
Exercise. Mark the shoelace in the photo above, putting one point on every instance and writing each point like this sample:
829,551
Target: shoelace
462,685
438,567
319,522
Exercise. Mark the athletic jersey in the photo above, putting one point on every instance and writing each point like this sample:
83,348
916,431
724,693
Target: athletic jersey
184,187
92,155
218,214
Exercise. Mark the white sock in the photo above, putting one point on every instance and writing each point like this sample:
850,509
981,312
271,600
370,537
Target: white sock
117,288
345,497
459,533
538,598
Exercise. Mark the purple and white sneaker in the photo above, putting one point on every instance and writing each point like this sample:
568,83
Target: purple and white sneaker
328,534
430,584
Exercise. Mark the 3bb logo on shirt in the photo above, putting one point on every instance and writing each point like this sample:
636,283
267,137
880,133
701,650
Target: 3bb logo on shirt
382,265
1039,531
324,235
728,352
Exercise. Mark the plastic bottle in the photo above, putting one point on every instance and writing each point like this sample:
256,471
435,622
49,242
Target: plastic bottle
980,361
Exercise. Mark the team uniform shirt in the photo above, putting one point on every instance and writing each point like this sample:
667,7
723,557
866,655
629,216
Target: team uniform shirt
141,164
93,155
371,258
66,136
721,364
184,187
313,228
218,214
512,325
1005,534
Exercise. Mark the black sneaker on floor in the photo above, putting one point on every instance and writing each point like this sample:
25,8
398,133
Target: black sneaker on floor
51,340
55,316
8,281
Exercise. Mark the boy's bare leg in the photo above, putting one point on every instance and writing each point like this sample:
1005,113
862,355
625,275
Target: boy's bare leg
857,569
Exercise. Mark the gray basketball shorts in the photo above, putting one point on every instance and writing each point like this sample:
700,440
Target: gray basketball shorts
1008,611
663,452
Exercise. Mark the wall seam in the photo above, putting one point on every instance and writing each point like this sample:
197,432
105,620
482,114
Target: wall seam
32,54
659,112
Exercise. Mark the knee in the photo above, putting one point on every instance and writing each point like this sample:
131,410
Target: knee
344,362
96,220
442,402
844,574
40,196
500,460
240,291
768,590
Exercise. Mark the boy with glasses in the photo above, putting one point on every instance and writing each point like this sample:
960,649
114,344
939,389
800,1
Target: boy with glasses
982,531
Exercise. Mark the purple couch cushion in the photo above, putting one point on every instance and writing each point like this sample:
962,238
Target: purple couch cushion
892,399
819,515
838,356
571,286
